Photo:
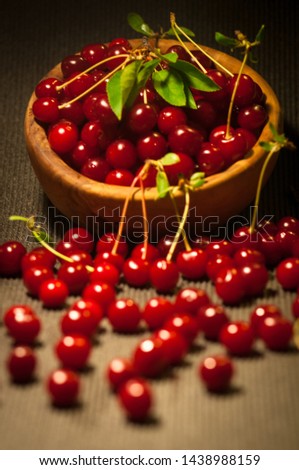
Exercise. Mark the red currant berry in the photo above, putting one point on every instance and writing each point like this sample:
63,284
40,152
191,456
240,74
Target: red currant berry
124,315
11,255
135,397
238,337
63,386
216,372
21,364
211,318
73,351
276,332
53,293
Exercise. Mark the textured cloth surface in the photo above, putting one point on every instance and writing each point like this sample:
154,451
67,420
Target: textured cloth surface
262,410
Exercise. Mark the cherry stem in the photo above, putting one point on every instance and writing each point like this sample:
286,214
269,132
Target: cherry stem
175,26
180,229
92,87
274,149
145,221
36,234
186,243
232,100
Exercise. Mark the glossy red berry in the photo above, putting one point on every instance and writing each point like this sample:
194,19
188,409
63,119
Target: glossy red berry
151,146
107,241
238,337
39,256
217,263
164,275
184,167
34,277
73,351
63,386
105,272
211,318
21,364
175,346
184,324
185,139
210,159
119,370
53,293
246,89
46,109
244,256
101,292
135,396
148,252
120,177
94,53
16,310
136,272
229,286
261,312
23,325
148,357
63,136
11,255
287,273
170,117
192,263
124,315
252,117
142,118
216,372
254,278
276,332
122,154
96,168
83,317
156,311
190,299
288,224
74,275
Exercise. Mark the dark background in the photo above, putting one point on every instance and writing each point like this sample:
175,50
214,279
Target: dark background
262,411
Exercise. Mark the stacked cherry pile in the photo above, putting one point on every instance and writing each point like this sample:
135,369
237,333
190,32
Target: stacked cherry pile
96,274
82,128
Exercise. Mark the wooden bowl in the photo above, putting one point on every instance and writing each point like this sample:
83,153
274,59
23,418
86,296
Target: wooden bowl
223,195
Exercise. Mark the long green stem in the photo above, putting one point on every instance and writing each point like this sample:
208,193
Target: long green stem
175,26
274,149
181,226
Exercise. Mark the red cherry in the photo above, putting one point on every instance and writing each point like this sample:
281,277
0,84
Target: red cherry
34,277
124,315
244,256
135,397
217,263
233,147
246,89
73,63
287,273
101,292
216,372
276,332
261,312
136,272
74,275
151,146
295,307
83,317
21,364
106,243
252,117
114,52
237,337
184,324
148,357
108,257
94,53
211,318
80,237
190,299
53,293
220,247
63,136
38,257
170,117
210,159
150,252
219,97
80,256
175,346
105,272
288,224
254,277
164,275
119,371
185,166
142,118
11,255
46,109
156,311
185,139
63,386
73,351
192,264
121,154
229,286
47,87
120,177
23,325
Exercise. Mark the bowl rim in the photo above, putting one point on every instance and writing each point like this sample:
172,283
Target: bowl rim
36,142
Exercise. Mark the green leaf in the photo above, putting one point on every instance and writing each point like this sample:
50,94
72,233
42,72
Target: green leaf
190,101
280,138
225,40
144,73
120,86
197,179
170,86
162,184
169,159
187,31
137,23
194,77
260,35
170,57
268,146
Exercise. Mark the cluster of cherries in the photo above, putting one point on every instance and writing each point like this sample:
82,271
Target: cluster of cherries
83,129
94,273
